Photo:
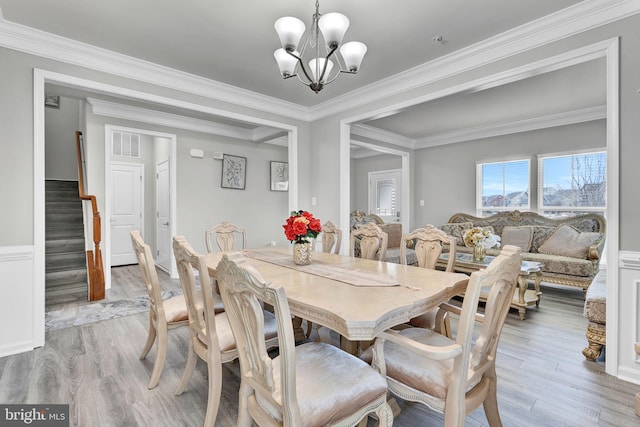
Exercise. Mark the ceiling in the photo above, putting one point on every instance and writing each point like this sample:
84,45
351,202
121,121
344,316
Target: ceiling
232,42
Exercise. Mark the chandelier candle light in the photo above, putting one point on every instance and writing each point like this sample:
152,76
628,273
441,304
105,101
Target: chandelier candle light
299,228
332,27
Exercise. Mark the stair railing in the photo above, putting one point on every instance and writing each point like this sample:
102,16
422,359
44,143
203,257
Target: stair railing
94,258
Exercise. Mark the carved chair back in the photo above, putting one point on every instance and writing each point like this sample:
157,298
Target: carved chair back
225,236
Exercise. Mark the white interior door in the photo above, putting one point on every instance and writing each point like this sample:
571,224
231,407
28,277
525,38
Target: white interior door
385,194
127,197
163,215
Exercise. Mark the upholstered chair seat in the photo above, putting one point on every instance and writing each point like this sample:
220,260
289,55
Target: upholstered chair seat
426,375
313,384
454,376
326,393
211,336
225,335
164,315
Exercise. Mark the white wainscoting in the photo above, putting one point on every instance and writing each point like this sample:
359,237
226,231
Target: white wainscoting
17,298
629,316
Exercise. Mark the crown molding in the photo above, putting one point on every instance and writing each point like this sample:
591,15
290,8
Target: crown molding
561,119
575,19
581,17
128,112
30,40
382,135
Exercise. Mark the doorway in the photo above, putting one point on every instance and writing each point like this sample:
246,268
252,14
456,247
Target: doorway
163,215
157,152
385,194
127,210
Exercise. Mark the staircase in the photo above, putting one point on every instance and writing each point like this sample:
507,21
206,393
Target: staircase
65,257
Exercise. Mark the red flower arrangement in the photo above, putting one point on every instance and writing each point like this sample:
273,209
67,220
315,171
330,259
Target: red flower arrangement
300,226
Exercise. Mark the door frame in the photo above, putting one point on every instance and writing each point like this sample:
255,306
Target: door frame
140,166
172,262
371,174
108,128
608,49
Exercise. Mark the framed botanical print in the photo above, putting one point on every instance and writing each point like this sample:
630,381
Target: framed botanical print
234,171
279,176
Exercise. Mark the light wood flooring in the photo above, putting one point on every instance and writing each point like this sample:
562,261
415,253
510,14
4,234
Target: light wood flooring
543,379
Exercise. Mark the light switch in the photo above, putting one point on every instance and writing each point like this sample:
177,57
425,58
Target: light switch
421,202
313,201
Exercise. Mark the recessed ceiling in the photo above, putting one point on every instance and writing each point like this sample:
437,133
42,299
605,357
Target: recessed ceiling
233,41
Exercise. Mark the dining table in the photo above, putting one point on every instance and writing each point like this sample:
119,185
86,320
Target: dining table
357,298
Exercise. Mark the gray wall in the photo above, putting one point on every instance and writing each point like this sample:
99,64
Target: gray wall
360,169
201,202
445,176
16,119
60,129
326,134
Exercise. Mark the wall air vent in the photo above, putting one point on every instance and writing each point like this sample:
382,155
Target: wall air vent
125,144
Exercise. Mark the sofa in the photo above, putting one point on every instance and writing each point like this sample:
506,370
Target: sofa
394,233
569,248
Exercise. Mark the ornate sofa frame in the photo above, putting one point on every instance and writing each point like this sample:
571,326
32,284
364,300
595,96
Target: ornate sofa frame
585,222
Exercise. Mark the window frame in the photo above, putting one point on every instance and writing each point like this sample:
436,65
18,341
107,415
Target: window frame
570,210
480,210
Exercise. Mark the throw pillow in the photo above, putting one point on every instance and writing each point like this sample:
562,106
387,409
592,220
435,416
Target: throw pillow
394,234
540,235
567,241
456,229
517,236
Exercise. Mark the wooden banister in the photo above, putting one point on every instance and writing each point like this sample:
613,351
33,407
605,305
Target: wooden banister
94,258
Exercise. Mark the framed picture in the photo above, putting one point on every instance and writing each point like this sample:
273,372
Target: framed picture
234,171
279,176
52,101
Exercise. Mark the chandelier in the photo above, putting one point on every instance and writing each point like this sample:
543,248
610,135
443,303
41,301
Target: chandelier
332,28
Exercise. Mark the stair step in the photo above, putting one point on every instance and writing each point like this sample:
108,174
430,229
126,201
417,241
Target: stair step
58,233
56,183
69,292
64,245
63,206
60,195
62,278
63,217
65,261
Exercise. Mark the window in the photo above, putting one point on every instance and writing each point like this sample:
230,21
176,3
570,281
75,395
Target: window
572,184
502,186
125,144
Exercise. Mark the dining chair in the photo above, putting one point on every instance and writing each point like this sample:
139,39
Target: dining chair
312,384
225,236
428,243
211,337
451,376
369,242
163,315
331,238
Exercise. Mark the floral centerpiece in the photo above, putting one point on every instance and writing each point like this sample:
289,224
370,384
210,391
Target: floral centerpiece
301,226
480,240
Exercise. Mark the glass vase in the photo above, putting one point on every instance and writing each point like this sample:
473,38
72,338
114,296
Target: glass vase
479,252
302,253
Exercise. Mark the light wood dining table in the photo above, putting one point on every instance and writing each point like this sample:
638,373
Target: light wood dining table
387,294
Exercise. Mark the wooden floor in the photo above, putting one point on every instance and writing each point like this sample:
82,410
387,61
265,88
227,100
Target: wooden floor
543,379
